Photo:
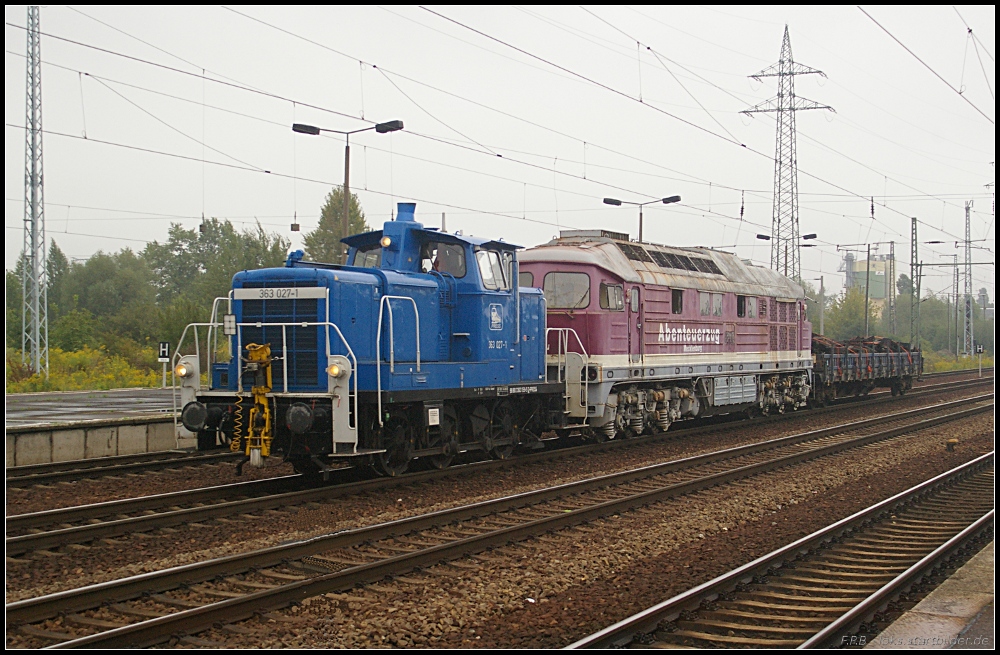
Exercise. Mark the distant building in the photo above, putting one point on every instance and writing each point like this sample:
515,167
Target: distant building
879,279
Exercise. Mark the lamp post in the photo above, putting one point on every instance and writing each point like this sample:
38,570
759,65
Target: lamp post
618,203
312,130
767,237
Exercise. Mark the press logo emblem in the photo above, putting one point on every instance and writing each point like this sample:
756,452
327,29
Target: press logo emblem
496,317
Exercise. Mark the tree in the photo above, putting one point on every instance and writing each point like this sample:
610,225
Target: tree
904,285
323,243
74,330
57,267
15,300
846,317
200,264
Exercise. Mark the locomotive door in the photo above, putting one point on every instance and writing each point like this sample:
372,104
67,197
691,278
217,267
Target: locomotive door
635,345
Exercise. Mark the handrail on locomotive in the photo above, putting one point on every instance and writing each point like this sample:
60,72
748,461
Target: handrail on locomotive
383,303
562,364
211,348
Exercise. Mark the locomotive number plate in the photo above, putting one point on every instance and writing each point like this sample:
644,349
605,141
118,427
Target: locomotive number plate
279,293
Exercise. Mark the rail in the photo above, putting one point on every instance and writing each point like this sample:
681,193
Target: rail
621,633
392,342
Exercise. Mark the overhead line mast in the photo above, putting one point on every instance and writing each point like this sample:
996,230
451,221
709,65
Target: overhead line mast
785,216
34,288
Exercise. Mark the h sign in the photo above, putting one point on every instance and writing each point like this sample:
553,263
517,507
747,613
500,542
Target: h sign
164,352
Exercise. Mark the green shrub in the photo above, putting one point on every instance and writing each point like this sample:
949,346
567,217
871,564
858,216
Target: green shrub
935,362
83,369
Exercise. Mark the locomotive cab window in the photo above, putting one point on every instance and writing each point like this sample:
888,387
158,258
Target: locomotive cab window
716,304
677,301
612,297
741,306
492,270
370,257
705,303
566,290
526,279
444,258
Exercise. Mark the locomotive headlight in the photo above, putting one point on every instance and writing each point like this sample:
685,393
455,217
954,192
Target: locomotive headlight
182,370
334,370
386,242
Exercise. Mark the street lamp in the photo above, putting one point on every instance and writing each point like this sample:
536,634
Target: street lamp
619,203
765,237
312,130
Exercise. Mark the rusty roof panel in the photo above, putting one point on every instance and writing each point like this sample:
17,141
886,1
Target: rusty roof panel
687,268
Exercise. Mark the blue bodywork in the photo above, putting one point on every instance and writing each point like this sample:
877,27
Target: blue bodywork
470,335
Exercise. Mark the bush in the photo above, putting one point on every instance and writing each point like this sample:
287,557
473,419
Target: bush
77,370
935,362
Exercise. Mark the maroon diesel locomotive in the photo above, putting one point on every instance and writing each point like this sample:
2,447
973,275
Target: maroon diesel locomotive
662,334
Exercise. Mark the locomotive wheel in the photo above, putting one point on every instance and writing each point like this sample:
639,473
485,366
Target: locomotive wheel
305,466
395,439
449,439
503,431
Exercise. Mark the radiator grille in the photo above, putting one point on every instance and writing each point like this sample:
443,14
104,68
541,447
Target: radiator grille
304,349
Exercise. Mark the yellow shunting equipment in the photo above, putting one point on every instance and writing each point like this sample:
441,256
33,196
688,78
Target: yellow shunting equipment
258,441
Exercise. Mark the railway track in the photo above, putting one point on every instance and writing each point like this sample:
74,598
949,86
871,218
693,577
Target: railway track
825,588
98,467
82,524
26,476
150,608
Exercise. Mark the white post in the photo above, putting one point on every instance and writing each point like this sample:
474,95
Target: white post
164,375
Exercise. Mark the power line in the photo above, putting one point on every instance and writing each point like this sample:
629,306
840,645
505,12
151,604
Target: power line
283,175
584,77
625,95
699,181
387,72
233,85
928,67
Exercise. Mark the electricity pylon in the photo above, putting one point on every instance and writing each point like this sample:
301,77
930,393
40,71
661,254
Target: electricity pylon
785,216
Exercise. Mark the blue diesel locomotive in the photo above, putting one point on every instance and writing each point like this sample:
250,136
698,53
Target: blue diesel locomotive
422,347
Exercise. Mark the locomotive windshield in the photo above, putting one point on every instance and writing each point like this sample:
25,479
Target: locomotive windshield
496,274
566,290
443,257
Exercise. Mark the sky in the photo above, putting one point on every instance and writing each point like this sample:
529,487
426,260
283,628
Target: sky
518,123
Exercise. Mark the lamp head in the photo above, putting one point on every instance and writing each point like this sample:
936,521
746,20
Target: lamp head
302,128
391,126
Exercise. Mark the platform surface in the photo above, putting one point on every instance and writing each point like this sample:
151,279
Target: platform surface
958,614
61,407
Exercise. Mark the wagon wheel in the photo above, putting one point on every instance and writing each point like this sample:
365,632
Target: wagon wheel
503,431
593,436
395,439
448,439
